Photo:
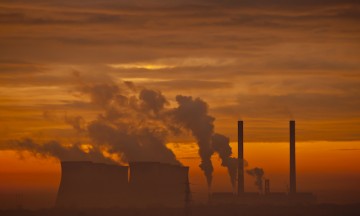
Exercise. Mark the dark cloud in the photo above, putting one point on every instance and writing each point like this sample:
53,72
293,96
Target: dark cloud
100,94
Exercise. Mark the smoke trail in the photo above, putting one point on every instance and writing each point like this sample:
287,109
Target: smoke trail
55,149
258,173
192,114
221,145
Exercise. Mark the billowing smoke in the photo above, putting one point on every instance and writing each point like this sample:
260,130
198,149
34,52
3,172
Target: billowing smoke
192,114
134,124
131,126
220,144
258,173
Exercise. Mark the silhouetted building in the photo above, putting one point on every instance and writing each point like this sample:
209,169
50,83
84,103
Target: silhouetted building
273,198
240,157
159,184
86,184
292,157
267,186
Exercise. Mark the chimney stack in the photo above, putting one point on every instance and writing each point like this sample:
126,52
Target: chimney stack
267,186
240,157
292,158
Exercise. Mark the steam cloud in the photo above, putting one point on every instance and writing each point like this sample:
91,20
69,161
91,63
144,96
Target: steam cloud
221,145
258,173
133,127
134,124
192,114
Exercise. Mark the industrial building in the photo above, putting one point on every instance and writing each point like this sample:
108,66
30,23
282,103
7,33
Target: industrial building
86,184
159,184
267,197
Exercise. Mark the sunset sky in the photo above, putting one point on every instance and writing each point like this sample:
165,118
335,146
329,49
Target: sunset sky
264,62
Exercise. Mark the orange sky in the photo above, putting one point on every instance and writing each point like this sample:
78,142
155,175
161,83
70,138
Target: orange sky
264,62
331,173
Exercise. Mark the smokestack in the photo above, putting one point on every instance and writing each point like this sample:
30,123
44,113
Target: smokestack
240,157
292,158
267,186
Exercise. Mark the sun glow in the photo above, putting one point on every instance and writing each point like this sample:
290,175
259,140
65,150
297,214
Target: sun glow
141,66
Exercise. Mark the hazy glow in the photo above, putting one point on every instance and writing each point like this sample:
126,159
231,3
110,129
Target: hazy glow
170,63
264,63
140,66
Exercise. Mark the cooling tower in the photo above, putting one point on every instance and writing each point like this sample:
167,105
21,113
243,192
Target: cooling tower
292,158
240,157
158,184
88,185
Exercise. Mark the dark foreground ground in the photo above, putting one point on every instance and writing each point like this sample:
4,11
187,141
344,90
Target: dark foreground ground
316,210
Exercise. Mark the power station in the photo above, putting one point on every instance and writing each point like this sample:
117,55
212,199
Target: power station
266,196
93,185
85,184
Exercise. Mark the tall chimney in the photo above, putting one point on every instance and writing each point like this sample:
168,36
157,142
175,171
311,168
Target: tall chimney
240,157
292,158
267,186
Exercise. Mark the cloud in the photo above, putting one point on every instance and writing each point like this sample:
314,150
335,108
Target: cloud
320,116
19,68
188,84
257,59
175,63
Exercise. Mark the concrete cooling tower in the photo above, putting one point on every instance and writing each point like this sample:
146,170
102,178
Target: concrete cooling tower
159,184
93,185
86,184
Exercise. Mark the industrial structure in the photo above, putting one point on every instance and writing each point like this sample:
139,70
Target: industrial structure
241,181
154,183
86,184
266,196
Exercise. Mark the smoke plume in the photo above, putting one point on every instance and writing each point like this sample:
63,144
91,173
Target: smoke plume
192,114
220,144
55,149
258,173
133,124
